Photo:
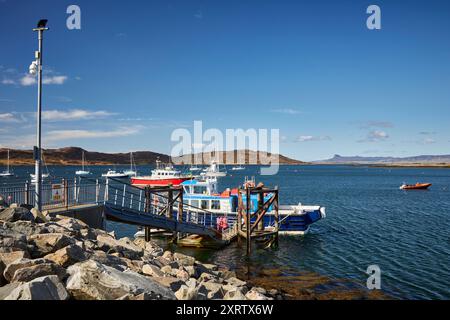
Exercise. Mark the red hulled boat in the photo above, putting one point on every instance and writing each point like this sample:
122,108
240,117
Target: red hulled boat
161,176
417,186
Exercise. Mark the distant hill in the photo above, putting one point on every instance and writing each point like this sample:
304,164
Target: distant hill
228,156
72,156
414,160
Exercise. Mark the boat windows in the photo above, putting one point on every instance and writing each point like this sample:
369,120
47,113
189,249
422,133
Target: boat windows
194,203
204,204
215,205
200,189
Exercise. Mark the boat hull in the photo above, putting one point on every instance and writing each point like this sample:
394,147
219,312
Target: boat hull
420,186
143,181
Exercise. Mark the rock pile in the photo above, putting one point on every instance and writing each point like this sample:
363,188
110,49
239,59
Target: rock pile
60,258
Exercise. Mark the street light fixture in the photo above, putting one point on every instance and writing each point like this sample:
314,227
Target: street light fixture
41,27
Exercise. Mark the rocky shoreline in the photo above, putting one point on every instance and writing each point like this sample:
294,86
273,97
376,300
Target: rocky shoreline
44,257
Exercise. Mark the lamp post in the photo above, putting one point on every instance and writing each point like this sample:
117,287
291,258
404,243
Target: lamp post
41,27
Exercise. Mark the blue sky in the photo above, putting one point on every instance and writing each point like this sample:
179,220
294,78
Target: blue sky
137,70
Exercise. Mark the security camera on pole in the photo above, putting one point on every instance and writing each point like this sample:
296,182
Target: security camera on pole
36,67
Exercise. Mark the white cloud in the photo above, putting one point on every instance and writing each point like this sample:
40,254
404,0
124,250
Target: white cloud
375,136
8,81
76,114
312,138
8,117
28,80
54,80
286,111
58,135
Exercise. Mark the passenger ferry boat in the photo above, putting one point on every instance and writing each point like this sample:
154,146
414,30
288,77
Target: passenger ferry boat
202,194
163,175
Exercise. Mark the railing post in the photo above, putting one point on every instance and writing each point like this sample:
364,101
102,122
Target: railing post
247,220
97,191
169,204
140,199
123,195
75,190
66,193
106,196
27,193
131,201
180,209
277,216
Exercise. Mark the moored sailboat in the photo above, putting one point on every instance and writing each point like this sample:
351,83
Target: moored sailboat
83,171
7,172
132,172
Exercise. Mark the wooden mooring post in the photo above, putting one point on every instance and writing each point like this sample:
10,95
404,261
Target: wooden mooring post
257,229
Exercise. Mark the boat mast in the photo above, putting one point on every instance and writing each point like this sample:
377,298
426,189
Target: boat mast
7,163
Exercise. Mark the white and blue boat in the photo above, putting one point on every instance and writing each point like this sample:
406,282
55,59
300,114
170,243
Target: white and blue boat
201,195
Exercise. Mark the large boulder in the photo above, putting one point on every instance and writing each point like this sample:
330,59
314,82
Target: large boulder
91,280
183,259
210,290
38,216
152,270
7,289
11,240
234,294
43,288
27,228
151,249
44,269
172,283
109,260
11,268
125,247
67,256
186,293
49,243
255,295
15,214
9,257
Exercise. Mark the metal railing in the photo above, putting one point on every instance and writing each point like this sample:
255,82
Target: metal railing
55,194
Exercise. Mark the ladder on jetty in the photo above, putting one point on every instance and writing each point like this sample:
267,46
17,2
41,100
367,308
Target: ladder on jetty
161,208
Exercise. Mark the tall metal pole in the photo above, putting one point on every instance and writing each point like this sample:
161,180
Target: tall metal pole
38,154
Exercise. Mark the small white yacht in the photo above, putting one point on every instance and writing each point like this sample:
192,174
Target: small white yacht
213,171
7,172
83,171
238,168
132,172
114,174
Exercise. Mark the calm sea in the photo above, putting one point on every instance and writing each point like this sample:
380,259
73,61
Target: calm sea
369,222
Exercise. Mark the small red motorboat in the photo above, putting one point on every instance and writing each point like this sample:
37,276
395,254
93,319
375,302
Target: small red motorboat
417,186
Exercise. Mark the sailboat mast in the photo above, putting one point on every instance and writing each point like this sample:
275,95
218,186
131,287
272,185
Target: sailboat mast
7,163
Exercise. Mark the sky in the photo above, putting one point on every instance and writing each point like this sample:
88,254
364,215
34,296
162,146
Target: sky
138,70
